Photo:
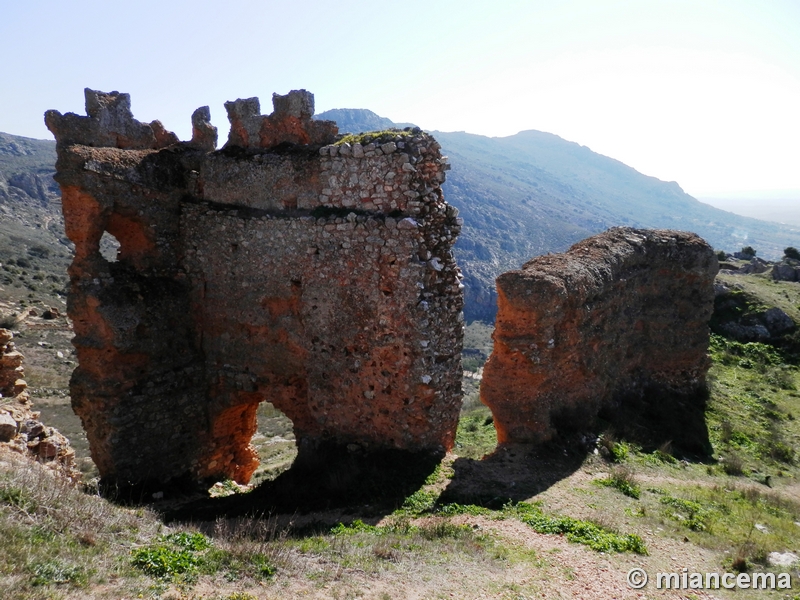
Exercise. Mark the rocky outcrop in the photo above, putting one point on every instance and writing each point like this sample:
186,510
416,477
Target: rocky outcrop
20,428
743,318
619,313
289,267
787,269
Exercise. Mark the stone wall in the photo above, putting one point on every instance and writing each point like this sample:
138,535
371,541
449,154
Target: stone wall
619,313
291,266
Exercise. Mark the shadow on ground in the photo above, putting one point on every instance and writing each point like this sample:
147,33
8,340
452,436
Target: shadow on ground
373,485
513,472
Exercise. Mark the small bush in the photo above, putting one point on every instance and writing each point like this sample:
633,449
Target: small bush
781,451
733,465
173,555
722,255
165,561
54,572
624,480
611,449
749,250
726,432
791,252
444,529
9,321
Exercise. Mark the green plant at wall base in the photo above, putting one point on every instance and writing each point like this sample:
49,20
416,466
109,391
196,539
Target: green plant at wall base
173,555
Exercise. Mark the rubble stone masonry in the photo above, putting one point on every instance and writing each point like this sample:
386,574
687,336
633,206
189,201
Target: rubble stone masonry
621,312
292,266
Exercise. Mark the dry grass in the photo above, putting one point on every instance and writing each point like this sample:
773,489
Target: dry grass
58,539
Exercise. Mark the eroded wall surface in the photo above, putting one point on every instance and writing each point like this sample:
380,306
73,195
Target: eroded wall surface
620,312
289,267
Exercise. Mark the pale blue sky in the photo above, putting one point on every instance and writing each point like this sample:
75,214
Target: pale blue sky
703,92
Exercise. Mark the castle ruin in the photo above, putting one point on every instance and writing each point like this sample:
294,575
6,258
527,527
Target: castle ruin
291,266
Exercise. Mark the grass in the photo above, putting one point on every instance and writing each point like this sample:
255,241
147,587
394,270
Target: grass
724,517
424,502
595,536
62,538
754,400
623,479
476,435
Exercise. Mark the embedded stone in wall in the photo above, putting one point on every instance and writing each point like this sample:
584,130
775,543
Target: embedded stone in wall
620,312
288,267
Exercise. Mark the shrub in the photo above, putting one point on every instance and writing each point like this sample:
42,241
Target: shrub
51,572
624,480
733,465
9,321
611,449
791,252
749,250
722,255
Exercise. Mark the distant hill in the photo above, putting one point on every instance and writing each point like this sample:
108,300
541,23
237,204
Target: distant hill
34,251
27,167
534,192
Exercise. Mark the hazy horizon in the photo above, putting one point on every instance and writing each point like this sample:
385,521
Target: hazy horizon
695,91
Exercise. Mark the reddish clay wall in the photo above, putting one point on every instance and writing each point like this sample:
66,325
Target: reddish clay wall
288,267
620,312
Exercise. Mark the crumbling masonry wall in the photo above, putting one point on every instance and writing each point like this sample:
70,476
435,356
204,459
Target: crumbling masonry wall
619,313
288,267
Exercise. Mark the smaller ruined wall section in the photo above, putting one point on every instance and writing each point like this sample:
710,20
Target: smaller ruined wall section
619,312
287,267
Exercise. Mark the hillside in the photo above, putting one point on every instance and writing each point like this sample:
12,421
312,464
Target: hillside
534,192
566,521
34,251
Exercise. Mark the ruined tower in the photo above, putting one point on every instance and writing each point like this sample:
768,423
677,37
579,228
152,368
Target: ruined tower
291,266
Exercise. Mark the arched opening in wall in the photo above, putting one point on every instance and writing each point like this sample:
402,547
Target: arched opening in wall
109,247
254,444
275,443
